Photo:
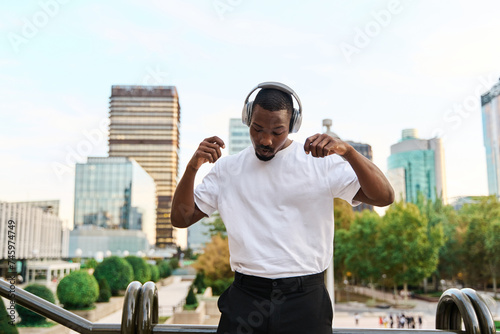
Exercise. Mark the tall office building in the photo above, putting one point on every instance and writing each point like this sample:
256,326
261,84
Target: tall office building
144,126
417,166
239,136
362,148
490,107
114,193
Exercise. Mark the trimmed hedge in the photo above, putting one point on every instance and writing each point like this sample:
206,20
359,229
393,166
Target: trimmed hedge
191,299
29,317
117,272
104,291
142,272
78,290
155,273
165,269
6,326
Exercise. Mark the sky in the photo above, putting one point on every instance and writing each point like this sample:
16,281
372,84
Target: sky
373,67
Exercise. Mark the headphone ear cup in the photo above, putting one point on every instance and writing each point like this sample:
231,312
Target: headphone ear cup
247,113
295,121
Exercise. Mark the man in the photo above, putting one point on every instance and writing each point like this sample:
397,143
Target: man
276,200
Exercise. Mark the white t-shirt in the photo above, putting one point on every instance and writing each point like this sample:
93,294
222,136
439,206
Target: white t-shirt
278,213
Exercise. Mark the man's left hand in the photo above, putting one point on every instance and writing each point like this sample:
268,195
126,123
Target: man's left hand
321,145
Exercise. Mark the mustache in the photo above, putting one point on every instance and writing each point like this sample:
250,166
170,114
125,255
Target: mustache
262,147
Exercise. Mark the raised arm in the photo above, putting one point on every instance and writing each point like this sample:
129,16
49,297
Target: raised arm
375,188
184,210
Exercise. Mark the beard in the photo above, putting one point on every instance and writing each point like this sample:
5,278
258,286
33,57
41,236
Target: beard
263,158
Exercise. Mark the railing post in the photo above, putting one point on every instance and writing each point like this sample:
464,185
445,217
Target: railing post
486,323
453,306
148,308
130,307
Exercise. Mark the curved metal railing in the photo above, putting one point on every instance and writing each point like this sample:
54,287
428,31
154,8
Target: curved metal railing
140,314
456,305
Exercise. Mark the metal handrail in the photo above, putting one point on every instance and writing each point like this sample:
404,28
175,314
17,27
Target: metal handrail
453,306
486,323
129,319
140,314
54,312
148,309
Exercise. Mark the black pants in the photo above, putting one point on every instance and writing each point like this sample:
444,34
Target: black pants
295,305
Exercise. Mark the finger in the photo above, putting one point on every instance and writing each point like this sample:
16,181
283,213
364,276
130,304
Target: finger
321,147
216,147
217,140
309,141
205,156
212,151
331,148
314,146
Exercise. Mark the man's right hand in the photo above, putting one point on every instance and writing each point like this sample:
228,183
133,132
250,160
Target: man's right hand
208,151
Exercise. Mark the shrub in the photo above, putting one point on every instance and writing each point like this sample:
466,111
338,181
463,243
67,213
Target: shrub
155,273
165,269
78,290
174,263
90,263
142,272
191,299
117,272
6,322
29,317
104,291
199,282
219,285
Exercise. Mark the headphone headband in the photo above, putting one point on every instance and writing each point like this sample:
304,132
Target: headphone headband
296,119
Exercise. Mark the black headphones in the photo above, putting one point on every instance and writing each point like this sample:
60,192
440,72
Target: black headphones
295,121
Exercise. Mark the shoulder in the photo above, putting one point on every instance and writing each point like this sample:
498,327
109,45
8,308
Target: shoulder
230,160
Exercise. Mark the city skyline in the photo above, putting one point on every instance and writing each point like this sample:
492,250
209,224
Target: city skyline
374,69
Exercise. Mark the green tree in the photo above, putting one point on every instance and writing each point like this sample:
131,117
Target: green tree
216,225
452,252
407,253
478,216
343,214
362,250
437,216
117,272
142,271
214,262
78,290
199,282
7,325
29,317
493,251
191,299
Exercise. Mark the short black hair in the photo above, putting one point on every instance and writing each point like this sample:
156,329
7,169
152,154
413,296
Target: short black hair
273,100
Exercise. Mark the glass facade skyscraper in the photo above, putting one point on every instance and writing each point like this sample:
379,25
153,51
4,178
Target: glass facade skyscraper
144,125
417,166
114,193
239,136
490,109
